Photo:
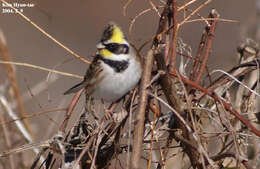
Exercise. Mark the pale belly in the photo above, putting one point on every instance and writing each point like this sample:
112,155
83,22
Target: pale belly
116,85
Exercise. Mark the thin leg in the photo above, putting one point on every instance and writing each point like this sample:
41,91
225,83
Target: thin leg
109,112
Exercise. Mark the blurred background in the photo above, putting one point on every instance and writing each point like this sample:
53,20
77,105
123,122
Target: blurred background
78,24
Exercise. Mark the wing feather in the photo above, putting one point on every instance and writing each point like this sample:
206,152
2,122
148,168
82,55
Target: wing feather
91,78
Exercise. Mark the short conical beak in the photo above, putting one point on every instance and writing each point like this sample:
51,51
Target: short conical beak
100,46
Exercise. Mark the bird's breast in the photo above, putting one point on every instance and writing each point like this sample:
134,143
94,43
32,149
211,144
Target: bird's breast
116,84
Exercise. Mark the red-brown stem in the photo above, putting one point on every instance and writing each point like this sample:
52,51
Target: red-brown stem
167,48
70,109
174,35
213,23
224,80
195,69
226,105
154,109
139,129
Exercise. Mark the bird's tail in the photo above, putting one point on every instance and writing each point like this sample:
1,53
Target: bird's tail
75,88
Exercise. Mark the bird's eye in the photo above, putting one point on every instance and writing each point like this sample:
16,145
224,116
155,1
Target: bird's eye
113,46
117,48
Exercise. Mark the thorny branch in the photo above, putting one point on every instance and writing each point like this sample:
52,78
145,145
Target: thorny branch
174,34
227,106
210,34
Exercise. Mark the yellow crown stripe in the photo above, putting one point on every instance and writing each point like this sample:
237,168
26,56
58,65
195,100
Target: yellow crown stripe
117,36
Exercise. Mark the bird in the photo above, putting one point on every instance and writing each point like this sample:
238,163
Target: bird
115,70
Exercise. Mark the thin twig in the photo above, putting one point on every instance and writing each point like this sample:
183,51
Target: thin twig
235,79
41,68
125,7
154,8
19,125
7,140
11,74
222,101
195,11
45,33
186,5
212,19
226,79
32,115
86,149
137,16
